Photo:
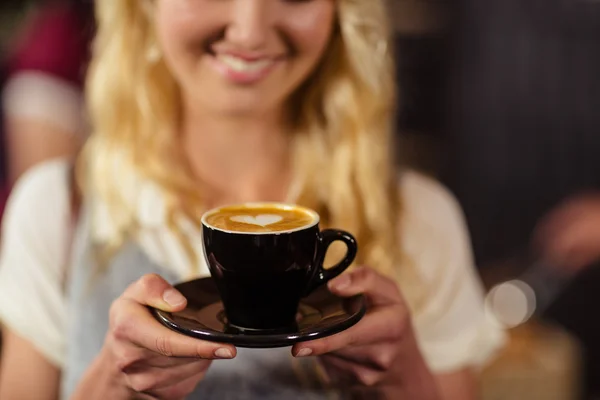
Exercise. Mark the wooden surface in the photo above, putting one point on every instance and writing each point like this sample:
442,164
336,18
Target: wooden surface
540,362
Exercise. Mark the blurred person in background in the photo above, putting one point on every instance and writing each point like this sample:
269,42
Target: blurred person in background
523,143
199,103
569,235
42,102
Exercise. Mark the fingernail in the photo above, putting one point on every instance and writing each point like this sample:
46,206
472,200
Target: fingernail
173,297
341,283
223,353
304,352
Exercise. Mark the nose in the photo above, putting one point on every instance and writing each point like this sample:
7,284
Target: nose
249,24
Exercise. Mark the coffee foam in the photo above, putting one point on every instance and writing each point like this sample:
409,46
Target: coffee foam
260,218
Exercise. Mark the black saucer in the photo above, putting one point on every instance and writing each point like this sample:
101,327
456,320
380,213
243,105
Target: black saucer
320,314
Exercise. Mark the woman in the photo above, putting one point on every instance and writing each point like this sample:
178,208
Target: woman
197,103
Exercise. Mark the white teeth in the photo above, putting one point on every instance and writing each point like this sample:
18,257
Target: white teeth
240,65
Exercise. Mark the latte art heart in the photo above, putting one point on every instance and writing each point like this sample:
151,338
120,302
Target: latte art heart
259,220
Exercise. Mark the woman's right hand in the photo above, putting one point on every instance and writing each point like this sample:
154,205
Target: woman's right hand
148,359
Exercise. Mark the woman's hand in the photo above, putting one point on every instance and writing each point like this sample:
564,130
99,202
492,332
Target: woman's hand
149,360
380,350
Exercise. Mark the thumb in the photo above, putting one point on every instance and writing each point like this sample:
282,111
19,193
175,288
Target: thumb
152,290
378,289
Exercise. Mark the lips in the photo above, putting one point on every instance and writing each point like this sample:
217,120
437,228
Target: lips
243,68
238,64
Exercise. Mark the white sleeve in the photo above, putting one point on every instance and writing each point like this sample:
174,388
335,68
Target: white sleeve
43,97
452,328
33,258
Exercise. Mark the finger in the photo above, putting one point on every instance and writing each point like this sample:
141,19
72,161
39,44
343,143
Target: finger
132,323
378,289
378,357
168,362
152,290
385,325
128,354
144,379
337,371
348,373
180,390
140,396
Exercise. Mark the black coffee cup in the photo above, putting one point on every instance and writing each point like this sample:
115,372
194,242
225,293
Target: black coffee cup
262,272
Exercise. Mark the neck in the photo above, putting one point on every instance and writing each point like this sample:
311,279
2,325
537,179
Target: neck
238,159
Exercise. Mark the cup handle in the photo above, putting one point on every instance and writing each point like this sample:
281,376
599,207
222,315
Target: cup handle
326,238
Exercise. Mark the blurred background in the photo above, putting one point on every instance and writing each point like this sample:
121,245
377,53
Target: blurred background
500,101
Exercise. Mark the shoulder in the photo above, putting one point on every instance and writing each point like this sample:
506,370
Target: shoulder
427,199
38,209
50,178
431,219
41,194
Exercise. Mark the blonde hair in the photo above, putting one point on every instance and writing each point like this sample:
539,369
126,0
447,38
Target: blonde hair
344,127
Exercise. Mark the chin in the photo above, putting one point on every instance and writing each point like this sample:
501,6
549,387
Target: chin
240,112
242,106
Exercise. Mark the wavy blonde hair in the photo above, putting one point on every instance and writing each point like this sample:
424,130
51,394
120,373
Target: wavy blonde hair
343,120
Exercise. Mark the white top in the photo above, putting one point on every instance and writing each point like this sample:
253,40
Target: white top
452,329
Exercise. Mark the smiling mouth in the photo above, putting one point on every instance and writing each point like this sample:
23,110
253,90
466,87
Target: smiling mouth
238,64
241,68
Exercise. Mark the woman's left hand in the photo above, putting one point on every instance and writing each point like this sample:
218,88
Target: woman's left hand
368,353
